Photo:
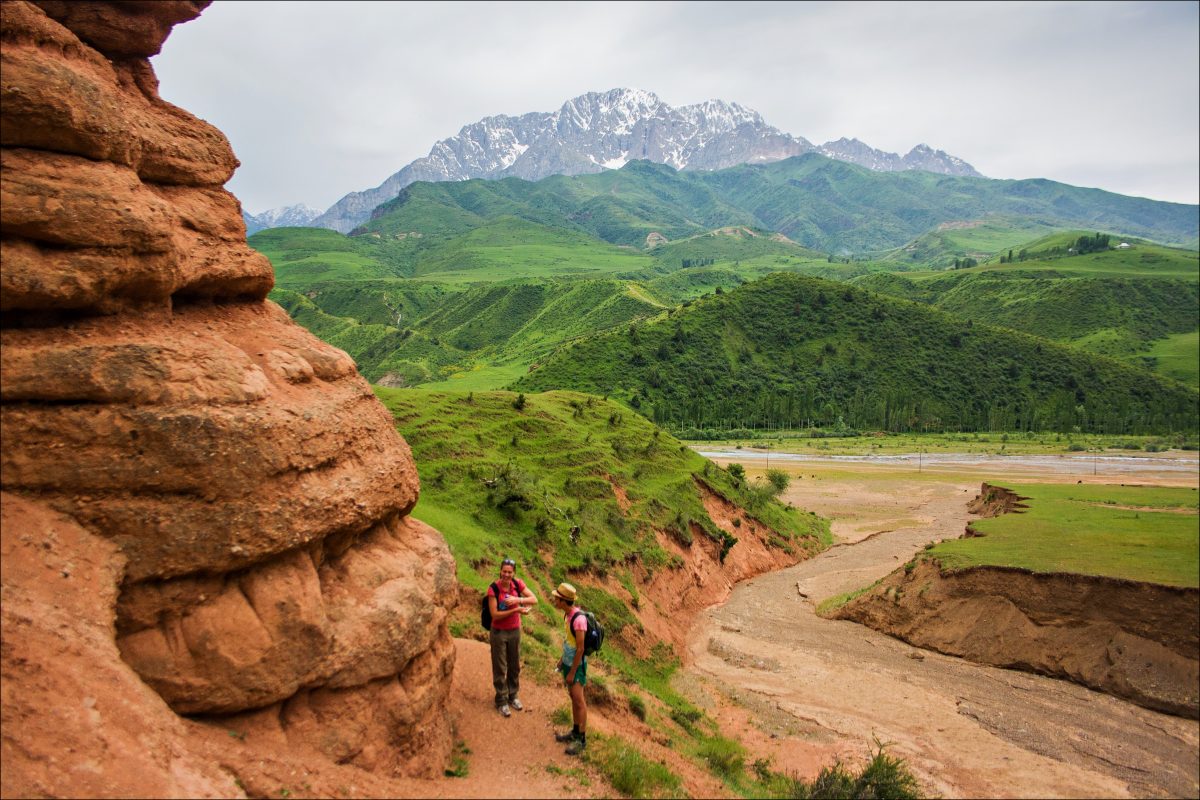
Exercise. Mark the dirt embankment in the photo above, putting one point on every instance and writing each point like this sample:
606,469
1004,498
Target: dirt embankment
670,599
677,596
992,501
1138,641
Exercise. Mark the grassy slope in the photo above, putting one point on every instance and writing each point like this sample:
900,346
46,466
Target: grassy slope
830,205
490,333
1177,356
551,466
980,239
1133,532
805,351
556,457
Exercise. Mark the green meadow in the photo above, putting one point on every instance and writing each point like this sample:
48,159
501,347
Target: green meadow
1177,356
1138,533
981,239
1138,305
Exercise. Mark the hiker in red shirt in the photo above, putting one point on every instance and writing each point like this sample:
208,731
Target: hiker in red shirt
508,599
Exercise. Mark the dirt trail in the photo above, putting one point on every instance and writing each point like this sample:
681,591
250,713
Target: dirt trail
967,730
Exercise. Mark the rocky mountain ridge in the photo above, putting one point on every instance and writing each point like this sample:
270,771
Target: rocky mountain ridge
296,216
605,130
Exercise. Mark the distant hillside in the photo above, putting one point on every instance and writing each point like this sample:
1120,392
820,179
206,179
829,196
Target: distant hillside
822,204
804,351
980,239
1114,302
408,333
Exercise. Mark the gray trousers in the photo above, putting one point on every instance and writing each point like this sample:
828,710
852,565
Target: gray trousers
506,665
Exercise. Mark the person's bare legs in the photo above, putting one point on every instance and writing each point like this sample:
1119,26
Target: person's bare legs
578,707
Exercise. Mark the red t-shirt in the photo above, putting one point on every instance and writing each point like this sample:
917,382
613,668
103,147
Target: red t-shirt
515,590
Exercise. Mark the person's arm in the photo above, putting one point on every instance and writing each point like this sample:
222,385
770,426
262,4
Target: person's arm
497,614
528,595
578,655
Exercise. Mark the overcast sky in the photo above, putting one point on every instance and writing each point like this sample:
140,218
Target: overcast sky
322,99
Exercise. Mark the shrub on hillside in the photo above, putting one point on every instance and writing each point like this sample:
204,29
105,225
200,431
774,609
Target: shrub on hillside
883,776
779,480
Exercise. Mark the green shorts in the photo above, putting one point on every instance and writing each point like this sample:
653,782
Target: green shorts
580,672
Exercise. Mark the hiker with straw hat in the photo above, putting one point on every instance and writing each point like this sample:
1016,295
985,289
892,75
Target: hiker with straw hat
573,666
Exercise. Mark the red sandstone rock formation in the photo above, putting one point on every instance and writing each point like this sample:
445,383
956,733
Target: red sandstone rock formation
254,489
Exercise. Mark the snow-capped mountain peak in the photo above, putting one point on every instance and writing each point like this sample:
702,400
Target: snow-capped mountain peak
605,130
297,216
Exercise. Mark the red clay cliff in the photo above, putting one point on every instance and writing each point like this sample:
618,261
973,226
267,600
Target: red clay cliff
200,498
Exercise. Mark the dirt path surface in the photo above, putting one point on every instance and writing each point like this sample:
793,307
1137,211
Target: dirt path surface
966,729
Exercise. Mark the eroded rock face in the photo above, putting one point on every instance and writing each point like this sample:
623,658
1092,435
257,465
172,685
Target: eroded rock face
253,486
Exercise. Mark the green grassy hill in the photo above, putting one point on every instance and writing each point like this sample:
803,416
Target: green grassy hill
504,481
804,351
574,488
1138,304
617,206
598,224
980,239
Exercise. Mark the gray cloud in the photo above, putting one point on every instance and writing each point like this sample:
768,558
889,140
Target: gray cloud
322,99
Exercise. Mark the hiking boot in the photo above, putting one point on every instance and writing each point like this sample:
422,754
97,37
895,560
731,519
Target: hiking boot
575,747
569,736
516,704
504,711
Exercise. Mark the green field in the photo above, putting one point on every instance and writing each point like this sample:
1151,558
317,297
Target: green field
1012,443
461,336
1133,532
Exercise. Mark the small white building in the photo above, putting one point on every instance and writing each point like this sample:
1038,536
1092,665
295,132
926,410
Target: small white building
1124,246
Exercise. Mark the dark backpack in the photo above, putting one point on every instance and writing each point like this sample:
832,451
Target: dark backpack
485,610
593,639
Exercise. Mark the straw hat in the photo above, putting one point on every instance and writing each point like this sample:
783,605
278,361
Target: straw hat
565,592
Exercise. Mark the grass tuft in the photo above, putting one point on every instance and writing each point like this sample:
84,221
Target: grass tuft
630,772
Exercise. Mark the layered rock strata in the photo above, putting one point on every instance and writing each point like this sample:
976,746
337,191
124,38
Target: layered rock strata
255,489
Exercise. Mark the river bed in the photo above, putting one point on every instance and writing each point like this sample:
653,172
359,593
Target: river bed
967,730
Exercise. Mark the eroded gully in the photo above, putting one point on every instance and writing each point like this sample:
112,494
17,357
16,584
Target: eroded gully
967,730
